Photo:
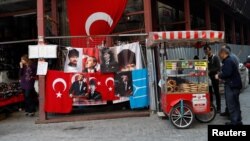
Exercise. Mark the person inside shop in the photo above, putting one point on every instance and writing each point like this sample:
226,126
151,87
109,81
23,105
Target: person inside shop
213,69
108,61
79,87
73,56
196,57
90,65
233,84
237,62
93,93
27,81
127,60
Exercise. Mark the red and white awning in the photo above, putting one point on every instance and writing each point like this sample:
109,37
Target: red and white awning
185,36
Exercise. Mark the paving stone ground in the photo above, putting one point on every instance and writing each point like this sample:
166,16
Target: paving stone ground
21,128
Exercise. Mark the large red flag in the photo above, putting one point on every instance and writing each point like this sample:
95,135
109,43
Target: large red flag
57,99
93,17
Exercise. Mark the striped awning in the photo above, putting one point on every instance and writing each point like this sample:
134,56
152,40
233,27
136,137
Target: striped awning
176,37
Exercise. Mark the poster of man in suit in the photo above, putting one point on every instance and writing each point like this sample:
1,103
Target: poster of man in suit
123,83
90,60
90,65
79,87
93,94
108,61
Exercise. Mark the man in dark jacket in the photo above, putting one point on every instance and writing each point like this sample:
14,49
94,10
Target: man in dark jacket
93,94
213,69
79,87
231,76
237,62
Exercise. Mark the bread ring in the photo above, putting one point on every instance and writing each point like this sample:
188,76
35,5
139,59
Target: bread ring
171,83
170,89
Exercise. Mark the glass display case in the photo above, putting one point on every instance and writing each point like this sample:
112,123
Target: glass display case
186,76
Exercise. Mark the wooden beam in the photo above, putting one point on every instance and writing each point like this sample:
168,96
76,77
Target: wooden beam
248,33
207,15
222,20
9,14
187,14
233,34
135,13
54,17
147,15
41,35
242,41
96,116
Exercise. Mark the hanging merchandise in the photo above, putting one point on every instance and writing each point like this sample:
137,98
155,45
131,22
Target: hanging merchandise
93,17
90,60
121,58
95,76
73,61
140,98
57,95
123,84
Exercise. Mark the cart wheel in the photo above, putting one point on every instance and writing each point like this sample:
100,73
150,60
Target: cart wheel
205,118
181,120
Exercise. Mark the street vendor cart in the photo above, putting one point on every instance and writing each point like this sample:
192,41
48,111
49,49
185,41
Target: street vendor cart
184,81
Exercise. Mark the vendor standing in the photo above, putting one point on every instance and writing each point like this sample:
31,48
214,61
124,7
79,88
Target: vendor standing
27,80
231,76
213,69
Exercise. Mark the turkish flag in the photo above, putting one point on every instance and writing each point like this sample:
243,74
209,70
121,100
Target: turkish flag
93,17
57,99
104,85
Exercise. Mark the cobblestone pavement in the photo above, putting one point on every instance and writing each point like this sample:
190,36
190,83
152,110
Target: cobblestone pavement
21,128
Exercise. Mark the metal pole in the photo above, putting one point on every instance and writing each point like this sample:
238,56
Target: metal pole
41,34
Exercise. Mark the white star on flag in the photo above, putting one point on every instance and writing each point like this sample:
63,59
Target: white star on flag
110,88
98,83
59,95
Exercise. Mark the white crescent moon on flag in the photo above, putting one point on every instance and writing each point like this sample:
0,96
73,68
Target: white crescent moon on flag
57,81
73,78
109,79
90,78
96,17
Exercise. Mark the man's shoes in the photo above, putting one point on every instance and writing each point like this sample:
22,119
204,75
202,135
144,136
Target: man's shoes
31,114
225,114
218,111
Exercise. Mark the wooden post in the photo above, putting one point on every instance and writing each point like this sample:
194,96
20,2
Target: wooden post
54,17
242,41
222,21
41,34
248,34
233,35
187,14
147,15
207,15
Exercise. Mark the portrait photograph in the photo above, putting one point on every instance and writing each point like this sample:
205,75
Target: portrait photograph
73,61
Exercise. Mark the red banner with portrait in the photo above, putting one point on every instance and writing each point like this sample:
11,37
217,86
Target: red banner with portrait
93,17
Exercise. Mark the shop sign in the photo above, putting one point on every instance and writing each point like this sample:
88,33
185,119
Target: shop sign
199,102
201,65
